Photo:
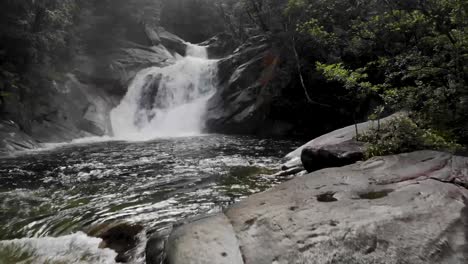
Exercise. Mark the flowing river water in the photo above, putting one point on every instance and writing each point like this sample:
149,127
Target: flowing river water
52,200
71,189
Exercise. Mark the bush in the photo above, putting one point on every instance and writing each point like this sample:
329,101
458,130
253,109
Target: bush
402,135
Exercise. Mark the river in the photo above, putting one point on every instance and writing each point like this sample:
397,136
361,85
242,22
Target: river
71,189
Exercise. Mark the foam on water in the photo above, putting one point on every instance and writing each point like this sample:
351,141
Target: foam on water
168,101
74,248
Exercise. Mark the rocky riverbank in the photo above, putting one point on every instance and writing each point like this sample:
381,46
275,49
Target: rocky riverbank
407,208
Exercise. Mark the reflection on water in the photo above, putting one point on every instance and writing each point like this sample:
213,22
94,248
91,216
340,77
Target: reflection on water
60,192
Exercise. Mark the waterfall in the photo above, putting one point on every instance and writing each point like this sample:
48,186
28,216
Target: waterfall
168,101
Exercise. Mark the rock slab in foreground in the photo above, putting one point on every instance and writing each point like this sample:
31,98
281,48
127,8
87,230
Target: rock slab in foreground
206,241
408,208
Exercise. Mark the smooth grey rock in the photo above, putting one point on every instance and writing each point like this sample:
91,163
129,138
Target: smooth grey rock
408,208
205,241
74,110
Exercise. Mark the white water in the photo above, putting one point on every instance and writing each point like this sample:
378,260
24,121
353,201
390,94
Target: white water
169,101
75,248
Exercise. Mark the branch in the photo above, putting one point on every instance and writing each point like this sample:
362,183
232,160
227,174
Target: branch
298,65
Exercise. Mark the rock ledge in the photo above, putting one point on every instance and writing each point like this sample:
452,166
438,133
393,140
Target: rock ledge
408,208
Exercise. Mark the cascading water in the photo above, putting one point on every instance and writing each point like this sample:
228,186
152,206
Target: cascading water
169,101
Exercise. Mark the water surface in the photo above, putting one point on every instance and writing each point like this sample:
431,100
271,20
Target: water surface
68,190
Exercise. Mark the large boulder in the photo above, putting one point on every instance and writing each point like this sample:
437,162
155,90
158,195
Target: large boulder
345,153
334,149
72,110
216,234
408,208
127,62
249,81
120,236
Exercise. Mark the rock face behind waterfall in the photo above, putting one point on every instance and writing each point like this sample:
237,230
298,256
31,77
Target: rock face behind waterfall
408,208
249,81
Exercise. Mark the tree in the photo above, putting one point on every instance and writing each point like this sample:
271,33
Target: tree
411,54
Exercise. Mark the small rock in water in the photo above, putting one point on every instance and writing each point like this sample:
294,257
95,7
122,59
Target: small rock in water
120,237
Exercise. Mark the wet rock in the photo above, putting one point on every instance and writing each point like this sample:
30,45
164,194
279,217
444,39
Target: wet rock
221,45
152,35
408,208
248,83
120,237
13,139
156,246
291,171
127,62
335,149
172,42
73,110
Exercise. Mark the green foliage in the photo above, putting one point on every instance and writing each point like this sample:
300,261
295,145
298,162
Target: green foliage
352,79
402,135
412,55
317,31
35,37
